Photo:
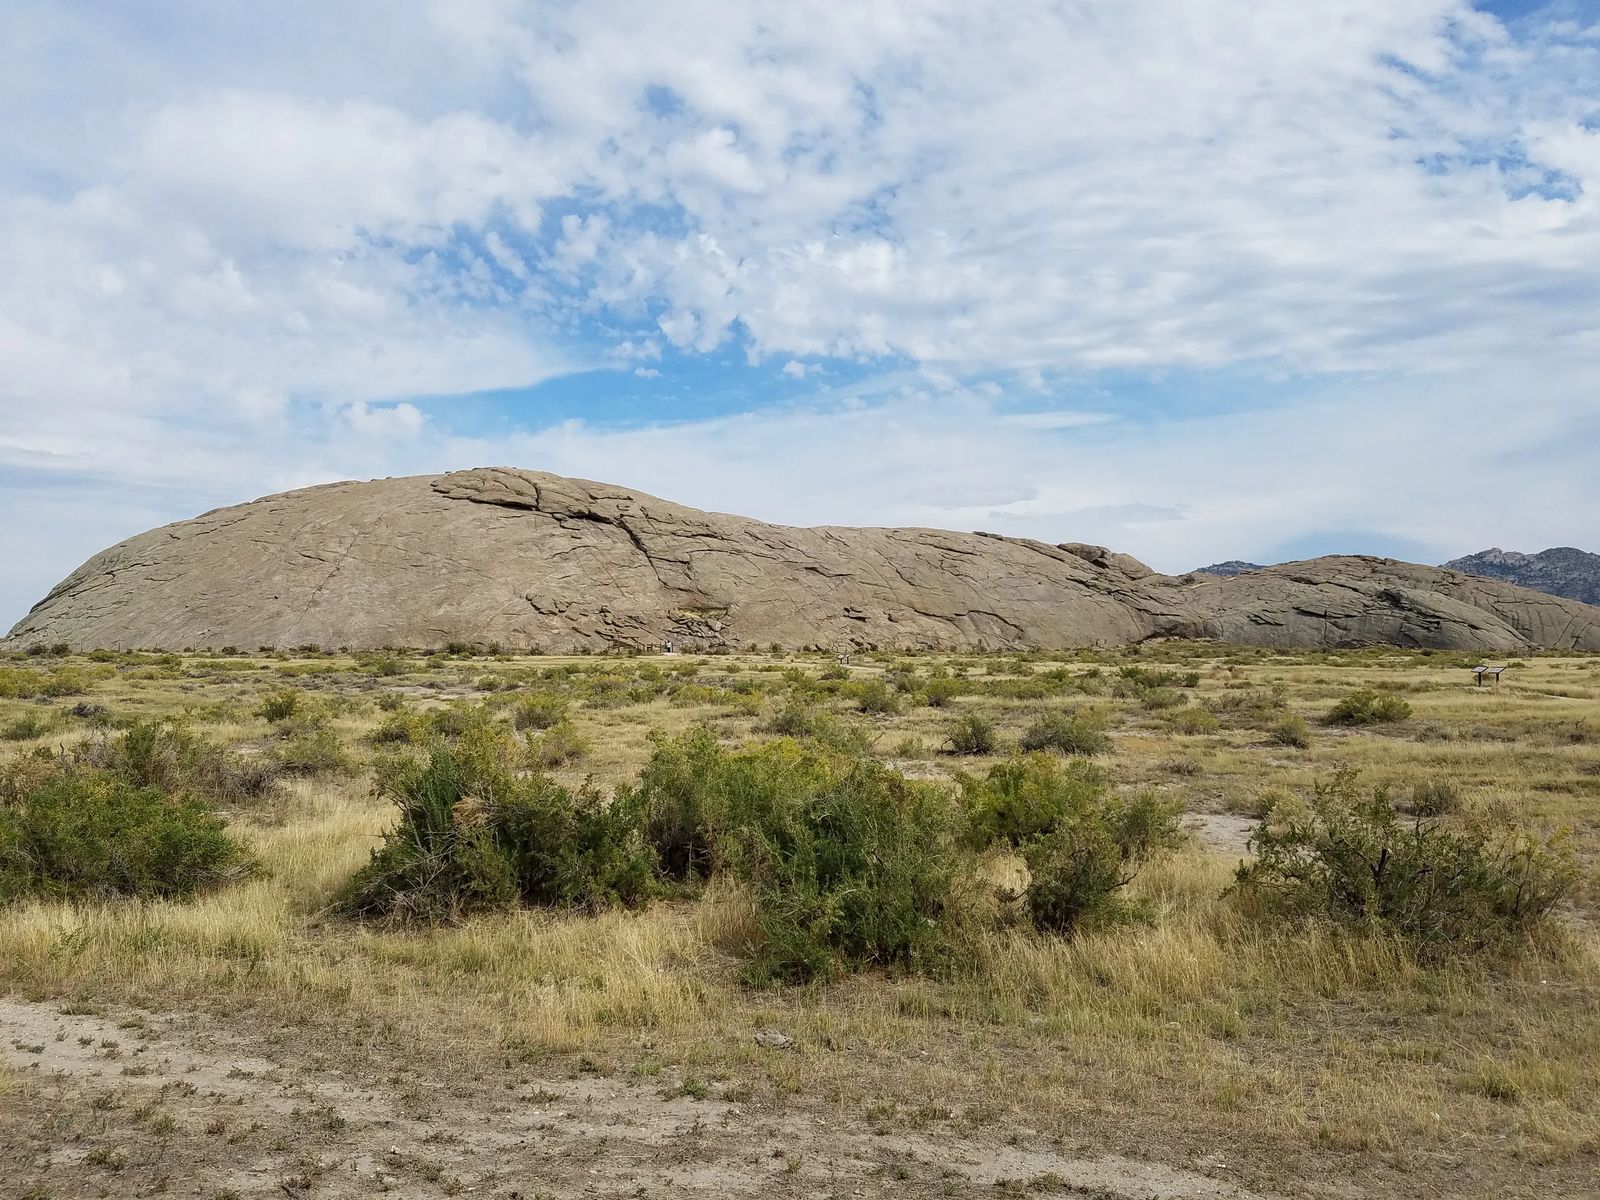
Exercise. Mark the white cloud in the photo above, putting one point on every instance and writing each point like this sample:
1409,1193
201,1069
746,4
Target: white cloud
240,241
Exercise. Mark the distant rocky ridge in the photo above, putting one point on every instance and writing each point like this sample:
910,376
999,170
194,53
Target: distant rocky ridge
1559,571
1227,570
526,559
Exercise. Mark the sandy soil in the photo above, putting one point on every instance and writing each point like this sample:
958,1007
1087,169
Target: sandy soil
112,1104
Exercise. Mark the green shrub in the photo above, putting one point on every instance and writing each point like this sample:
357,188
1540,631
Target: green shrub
795,719
78,832
1291,731
1245,704
68,681
1435,798
455,720
857,868
539,711
1069,733
1193,720
972,734
282,704
1023,799
1081,845
171,758
800,720
310,750
941,690
561,743
849,864
683,796
1369,708
902,679
1153,678
1157,699
1142,824
1350,859
402,729
874,696
25,728
17,683
1075,876
475,833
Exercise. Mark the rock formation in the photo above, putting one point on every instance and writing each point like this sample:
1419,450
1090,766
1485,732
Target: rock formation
1234,566
526,559
1559,571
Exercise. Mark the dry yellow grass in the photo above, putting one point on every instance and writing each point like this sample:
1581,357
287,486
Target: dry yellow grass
1207,1027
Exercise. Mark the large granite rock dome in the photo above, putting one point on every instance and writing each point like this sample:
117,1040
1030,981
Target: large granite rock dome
528,559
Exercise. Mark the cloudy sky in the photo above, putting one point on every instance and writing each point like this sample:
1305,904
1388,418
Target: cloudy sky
1197,279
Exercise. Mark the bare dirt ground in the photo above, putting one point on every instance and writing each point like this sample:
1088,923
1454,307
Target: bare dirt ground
112,1104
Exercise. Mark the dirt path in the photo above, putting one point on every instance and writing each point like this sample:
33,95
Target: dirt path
108,1104
1226,833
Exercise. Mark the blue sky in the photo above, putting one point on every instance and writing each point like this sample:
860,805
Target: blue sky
1197,279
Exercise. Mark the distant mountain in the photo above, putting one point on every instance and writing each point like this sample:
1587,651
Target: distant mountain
1560,571
1229,569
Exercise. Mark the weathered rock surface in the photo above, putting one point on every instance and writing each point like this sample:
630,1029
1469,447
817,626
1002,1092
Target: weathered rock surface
1351,600
526,559
1560,570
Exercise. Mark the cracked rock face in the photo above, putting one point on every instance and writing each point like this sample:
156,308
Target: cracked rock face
527,559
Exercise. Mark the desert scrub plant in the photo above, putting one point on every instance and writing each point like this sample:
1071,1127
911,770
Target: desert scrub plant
1245,704
1161,698
873,696
800,720
796,719
561,743
972,734
1141,678
1081,844
848,864
172,758
539,711
1293,731
683,795
1193,720
310,749
281,704
476,833
19,684
68,831
1435,797
1075,879
1021,800
1143,824
1367,707
1030,797
25,728
1347,857
1069,733
68,681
